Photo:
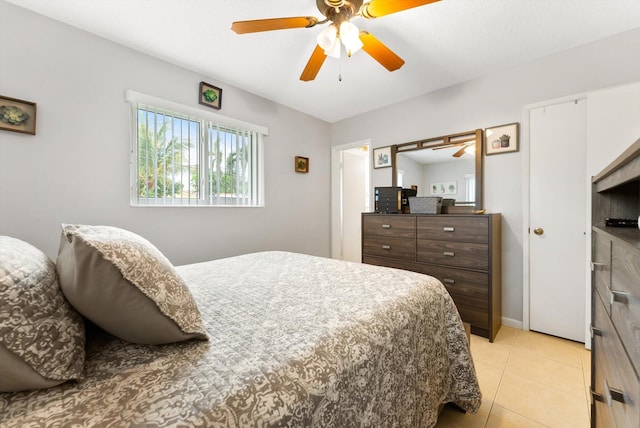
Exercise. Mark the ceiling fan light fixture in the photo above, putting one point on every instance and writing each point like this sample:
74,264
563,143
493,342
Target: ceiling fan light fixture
350,36
353,46
327,38
334,52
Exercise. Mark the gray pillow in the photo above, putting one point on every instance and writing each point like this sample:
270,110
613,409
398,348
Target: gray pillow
41,335
125,285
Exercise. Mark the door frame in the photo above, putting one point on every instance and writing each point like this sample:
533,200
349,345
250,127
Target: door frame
336,193
526,194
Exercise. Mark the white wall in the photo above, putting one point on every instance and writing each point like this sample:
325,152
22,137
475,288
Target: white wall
412,174
613,123
494,100
76,169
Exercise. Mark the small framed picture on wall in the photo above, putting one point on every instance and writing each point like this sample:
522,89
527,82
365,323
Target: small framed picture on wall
302,164
501,139
17,115
382,157
210,96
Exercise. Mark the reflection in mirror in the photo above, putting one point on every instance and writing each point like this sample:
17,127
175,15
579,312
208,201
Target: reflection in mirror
438,173
449,167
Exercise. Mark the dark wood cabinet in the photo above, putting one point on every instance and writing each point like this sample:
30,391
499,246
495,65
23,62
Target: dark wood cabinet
615,294
463,251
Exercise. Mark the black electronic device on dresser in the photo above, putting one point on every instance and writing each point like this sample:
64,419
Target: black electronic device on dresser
462,250
615,293
392,200
387,200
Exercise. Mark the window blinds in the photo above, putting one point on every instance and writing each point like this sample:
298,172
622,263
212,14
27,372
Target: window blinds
184,160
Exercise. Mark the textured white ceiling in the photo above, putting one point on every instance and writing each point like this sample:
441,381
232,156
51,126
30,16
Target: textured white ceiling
443,43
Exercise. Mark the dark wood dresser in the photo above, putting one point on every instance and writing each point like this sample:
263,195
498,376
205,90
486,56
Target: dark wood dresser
615,295
461,250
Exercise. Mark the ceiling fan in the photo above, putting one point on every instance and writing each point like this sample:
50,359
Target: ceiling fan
340,31
466,146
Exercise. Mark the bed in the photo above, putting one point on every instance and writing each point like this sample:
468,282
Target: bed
291,340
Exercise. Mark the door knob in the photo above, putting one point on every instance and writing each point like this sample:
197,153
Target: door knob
538,231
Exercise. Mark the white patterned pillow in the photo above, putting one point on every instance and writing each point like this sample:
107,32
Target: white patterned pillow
125,285
41,335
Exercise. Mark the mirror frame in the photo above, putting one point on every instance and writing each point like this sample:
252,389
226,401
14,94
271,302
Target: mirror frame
447,140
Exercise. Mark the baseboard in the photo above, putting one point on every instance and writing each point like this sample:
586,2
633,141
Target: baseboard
509,322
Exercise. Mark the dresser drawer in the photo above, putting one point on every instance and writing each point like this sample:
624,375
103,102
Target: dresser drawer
614,375
458,254
601,266
625,298
472,284
471,310
397,248
469,290
452,228
397,226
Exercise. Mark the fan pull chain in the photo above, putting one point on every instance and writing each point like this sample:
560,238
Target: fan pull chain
340,69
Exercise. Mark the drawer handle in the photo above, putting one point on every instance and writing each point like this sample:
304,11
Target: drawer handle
386,247
595,331
386,226
449,253
619,296
449,280
449,229
596,396
598,266
611,395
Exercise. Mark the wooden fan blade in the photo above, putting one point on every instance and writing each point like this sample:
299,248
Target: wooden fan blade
313,66
242,27
445,147
378,8
381,53
459,152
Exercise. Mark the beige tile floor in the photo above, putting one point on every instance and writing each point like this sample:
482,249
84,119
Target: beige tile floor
527,380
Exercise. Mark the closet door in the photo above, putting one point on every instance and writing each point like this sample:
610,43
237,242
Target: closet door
558,198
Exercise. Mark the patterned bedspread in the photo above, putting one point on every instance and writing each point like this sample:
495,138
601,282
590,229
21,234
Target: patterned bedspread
295,340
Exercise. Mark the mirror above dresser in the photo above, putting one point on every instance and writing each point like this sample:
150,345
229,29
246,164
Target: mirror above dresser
450,167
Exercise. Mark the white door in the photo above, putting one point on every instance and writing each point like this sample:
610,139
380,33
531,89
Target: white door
557,219
355,166
351,196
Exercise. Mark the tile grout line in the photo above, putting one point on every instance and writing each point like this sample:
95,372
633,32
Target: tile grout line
511,346
495,395
513,343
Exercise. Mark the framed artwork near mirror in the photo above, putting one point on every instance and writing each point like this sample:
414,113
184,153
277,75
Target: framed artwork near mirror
502,139
382,157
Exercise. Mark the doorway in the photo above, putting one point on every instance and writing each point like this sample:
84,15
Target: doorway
557,219
351,196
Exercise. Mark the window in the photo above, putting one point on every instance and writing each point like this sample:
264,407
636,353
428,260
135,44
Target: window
470,187
181,159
